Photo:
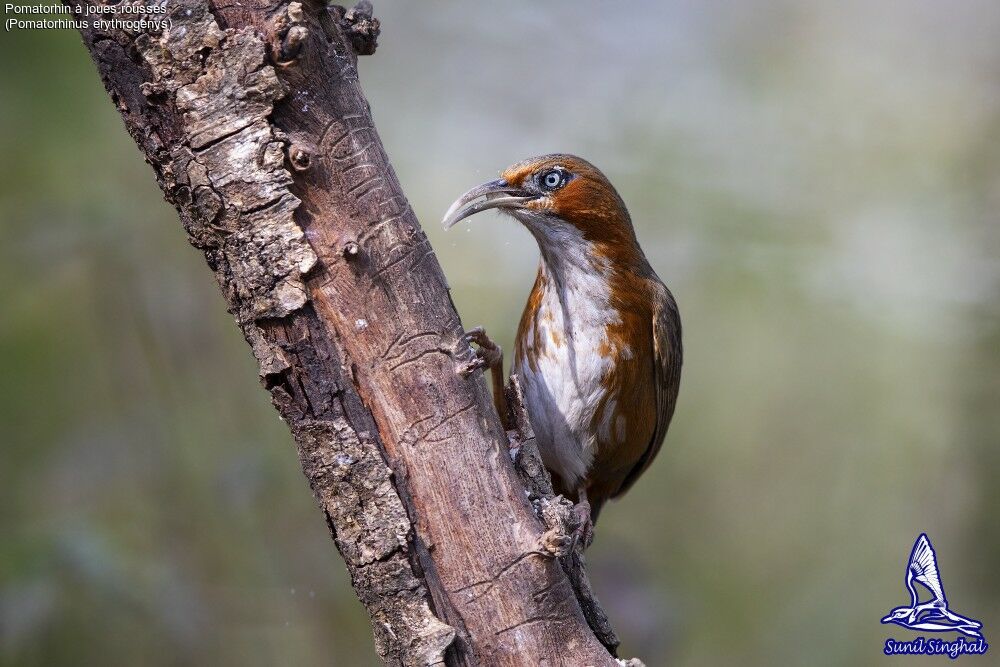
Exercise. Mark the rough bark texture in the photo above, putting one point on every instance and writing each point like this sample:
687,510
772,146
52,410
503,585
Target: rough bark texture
252,116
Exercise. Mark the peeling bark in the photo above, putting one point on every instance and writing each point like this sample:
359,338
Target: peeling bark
253,119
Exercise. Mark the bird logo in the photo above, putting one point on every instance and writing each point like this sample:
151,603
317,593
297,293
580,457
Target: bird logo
932,615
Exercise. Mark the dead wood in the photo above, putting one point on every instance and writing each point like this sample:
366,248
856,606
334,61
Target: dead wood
253,119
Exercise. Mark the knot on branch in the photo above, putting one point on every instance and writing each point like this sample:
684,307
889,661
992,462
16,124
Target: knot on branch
359,26
350,250
288,34
560,522
300,157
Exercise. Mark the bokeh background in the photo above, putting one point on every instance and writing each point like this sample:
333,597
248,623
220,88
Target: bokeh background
819,183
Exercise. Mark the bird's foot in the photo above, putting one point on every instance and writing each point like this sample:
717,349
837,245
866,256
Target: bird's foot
486,354
584,532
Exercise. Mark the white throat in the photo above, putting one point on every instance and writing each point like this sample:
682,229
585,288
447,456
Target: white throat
570,330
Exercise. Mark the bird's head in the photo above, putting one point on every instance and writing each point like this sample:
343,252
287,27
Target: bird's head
897,614
560,198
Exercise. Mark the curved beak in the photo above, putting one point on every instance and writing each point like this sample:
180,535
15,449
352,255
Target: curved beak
495,194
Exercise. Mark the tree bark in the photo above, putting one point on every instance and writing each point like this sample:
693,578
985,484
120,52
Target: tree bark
253,119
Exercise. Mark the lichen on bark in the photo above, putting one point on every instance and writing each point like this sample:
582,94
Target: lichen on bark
233,159
372,529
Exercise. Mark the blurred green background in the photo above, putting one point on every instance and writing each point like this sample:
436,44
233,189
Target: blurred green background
820,187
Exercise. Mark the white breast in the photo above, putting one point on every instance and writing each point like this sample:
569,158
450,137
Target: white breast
564,389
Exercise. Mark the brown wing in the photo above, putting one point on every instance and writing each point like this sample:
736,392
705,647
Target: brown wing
667,356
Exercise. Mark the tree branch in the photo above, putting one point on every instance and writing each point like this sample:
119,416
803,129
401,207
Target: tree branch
253,119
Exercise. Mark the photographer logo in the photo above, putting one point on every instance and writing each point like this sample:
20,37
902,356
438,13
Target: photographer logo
932,615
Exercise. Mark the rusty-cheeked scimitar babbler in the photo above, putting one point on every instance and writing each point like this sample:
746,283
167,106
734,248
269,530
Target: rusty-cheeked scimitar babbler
598,348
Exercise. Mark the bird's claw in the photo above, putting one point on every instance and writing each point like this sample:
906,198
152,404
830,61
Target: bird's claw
477,363
485,355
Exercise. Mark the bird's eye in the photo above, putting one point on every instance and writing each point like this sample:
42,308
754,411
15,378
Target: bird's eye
553,179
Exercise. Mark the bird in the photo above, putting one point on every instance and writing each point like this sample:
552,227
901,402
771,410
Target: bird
934,614
598,348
